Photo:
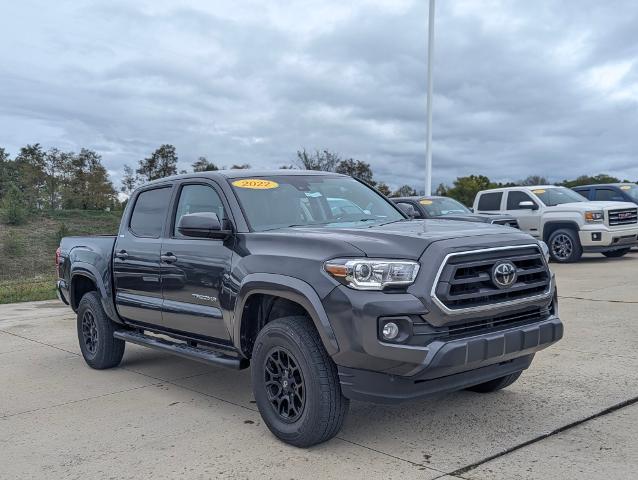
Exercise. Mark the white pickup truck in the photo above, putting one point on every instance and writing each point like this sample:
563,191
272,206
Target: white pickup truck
565,220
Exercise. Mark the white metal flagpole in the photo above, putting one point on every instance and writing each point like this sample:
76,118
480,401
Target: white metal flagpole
428,145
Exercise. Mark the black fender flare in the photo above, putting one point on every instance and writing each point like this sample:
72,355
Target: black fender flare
89,271
290,288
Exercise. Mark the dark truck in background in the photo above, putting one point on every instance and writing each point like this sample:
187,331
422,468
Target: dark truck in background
446,208
326,304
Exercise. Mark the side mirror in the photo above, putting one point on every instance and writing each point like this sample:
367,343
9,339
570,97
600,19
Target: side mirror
528,205
201,225
407,209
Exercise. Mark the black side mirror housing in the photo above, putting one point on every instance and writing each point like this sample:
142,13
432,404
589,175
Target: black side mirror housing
202,225
407,209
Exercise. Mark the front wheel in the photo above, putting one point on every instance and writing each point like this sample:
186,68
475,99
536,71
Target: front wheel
295,383
564,246
496,384
617,253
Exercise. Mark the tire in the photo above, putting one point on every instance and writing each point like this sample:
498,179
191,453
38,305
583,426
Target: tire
288,353
496,384
95,334
564,246
617,253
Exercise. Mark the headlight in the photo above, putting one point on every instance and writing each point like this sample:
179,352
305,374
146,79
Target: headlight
366,274
545,250
594,217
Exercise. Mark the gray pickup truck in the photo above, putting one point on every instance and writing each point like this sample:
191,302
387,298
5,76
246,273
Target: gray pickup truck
324,301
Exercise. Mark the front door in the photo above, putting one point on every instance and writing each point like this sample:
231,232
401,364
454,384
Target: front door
193,269
528,220
136,258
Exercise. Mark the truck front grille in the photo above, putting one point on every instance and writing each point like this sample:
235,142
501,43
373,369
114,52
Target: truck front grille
624,216
469,280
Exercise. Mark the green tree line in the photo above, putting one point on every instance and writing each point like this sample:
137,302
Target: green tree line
38,180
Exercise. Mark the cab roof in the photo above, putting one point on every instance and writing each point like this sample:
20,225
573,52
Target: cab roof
246,173
621,184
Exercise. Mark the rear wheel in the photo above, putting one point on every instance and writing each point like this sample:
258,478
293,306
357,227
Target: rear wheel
496,384
617,253
564,246
295,383
95,333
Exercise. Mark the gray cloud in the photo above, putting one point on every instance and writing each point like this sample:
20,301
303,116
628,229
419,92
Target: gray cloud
521,88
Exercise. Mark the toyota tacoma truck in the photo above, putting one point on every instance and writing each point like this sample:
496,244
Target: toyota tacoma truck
257,269
565,220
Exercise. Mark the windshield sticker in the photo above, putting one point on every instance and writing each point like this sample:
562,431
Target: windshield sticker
313,194
539,191
625,187
425,202
255,184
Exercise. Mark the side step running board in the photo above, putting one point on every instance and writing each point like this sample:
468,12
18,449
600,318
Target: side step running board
182,349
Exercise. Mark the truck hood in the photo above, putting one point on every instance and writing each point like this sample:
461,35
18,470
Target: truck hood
587,206
406,239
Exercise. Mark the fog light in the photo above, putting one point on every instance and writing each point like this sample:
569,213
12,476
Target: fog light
596,237
390,331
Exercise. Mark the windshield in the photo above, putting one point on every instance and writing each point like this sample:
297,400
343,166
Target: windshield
557,196
299,201
631,190
437,207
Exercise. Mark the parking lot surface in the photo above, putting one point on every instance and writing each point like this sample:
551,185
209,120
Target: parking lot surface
572,415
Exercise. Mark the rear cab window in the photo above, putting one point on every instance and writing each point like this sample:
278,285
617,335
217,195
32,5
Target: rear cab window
149,212
490,201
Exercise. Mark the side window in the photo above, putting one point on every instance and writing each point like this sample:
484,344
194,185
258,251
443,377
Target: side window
490,201
149,212
608,195
514,198
584,192
196,199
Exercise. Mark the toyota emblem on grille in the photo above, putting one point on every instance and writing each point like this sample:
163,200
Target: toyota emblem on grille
504,274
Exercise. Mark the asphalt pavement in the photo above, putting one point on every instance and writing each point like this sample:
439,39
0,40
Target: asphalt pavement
572,415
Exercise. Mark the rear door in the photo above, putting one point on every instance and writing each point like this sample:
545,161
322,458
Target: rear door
136,257
489,202
528,220
194,270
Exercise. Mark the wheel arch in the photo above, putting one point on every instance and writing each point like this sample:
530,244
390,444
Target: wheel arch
551,226
264,297
85,278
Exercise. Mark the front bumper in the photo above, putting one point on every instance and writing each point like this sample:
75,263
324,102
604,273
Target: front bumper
455,364
597,238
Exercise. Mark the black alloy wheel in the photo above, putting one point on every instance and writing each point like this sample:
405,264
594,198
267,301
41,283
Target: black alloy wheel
284,384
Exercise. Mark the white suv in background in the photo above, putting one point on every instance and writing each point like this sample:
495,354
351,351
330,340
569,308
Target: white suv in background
565,220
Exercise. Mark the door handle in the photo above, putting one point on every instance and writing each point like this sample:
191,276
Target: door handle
122,255
168,258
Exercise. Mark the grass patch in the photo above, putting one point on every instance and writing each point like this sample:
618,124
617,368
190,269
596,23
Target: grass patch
38,289
28,271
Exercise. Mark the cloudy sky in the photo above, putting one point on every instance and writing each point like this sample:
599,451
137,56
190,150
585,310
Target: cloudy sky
545,87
